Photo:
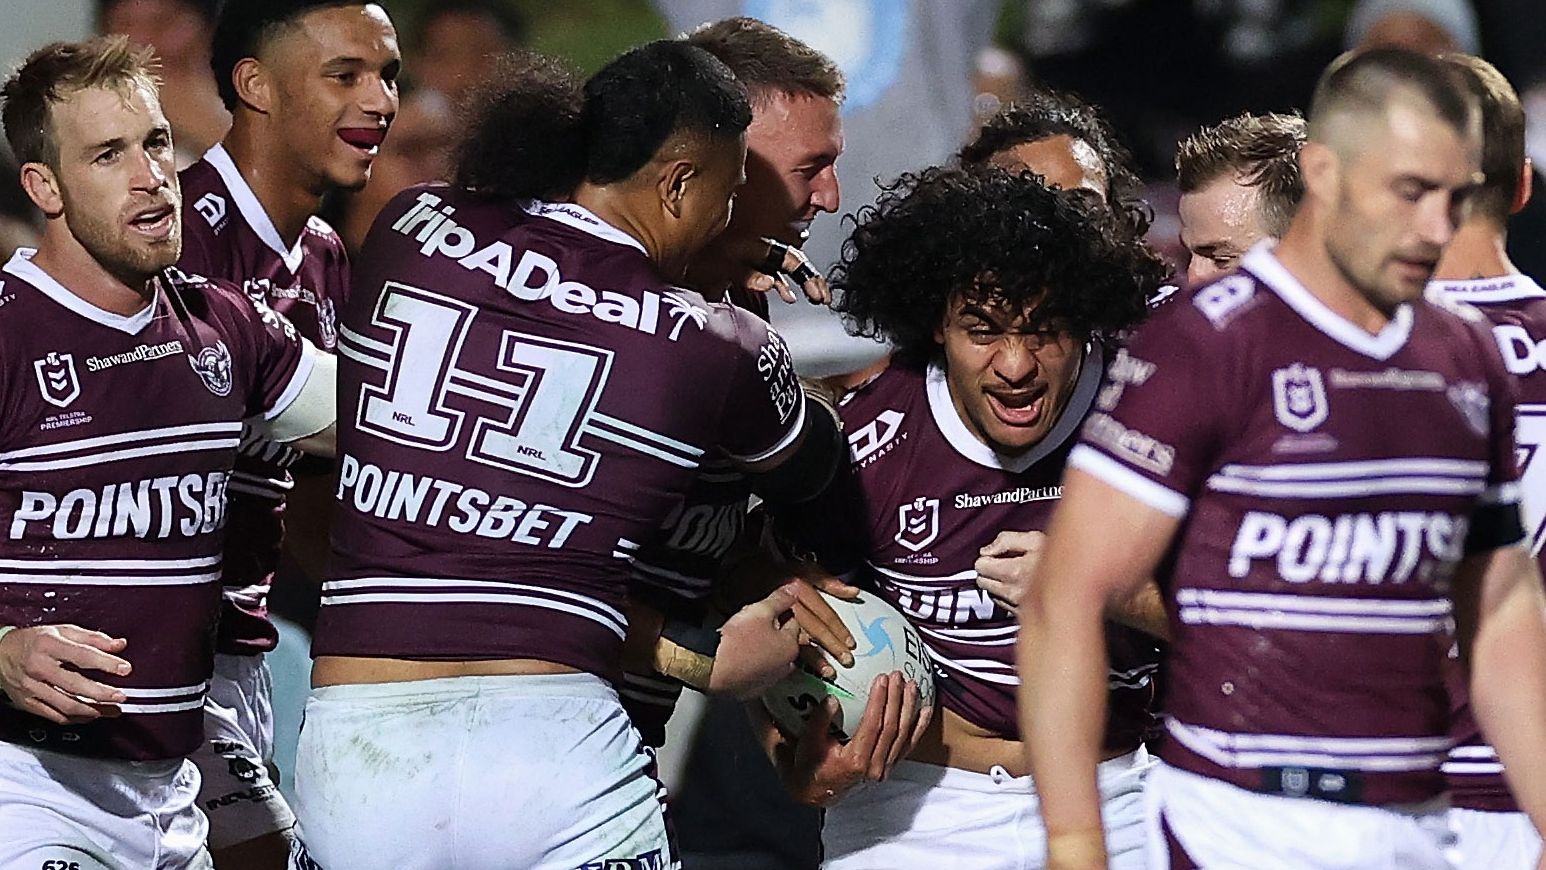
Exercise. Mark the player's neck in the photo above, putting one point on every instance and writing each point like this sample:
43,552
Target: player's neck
1478,250
1303,253
616,205
712,272
288,194
63,258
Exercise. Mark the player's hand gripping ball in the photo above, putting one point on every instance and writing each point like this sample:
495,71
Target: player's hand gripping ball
885,642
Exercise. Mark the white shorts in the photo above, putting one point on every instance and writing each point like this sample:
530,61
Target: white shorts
60,811
1220,826
1495,841
239,794
477,773
928,816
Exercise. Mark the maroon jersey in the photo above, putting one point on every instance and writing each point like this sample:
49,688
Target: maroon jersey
1516,307
116,443
522,400
228,235
925,497
1327,479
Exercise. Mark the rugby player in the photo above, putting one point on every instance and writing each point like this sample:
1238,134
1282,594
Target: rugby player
127,384
1240,183
1494,833
529,395
1000,336
1319,464
792,146
311,86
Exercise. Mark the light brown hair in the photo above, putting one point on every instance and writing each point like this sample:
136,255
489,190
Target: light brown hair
1503,135
55,72
1260,151
768,61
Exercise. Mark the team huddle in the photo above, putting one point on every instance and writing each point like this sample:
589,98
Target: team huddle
548,464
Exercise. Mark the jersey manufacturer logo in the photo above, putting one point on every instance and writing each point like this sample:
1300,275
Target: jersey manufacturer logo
57,380
211,207
1471,400
213,366
1299,397
872,436
918,523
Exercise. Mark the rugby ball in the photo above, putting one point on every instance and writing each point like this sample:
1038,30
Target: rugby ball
884,641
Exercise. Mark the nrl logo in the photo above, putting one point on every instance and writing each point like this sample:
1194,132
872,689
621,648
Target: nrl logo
1299,397
57,380
213,366
918,523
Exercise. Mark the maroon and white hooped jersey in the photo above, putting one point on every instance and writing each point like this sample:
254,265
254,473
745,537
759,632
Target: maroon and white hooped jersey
1326,479
117,439
228,235
925,496
1516,307
523,399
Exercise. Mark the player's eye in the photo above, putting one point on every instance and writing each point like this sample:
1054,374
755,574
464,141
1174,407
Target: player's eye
107,157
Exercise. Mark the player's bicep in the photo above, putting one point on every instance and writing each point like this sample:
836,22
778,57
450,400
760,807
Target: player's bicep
1104,540
1488,583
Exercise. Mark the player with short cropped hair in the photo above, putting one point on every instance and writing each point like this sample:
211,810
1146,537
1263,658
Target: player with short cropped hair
1494,833
528,397
126,386
311,86
1240,183
1000,334
1319,463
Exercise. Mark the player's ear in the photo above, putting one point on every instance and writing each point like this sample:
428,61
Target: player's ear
1526,186
42,187
254,86
1321,167
674,182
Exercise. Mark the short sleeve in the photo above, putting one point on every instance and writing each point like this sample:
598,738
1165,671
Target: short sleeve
1497,520
1158,420
278,360
765,406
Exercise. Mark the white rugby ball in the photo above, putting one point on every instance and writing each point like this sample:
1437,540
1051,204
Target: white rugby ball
884,641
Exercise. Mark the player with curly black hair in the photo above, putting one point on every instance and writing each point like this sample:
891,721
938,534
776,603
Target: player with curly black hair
1065,140
1001,298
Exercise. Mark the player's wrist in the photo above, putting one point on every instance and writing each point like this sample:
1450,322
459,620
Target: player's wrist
685,653
1076,850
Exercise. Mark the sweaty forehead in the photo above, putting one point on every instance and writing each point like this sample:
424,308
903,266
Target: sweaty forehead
96,114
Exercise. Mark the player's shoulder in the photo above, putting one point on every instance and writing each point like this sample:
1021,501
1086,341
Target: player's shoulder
319,235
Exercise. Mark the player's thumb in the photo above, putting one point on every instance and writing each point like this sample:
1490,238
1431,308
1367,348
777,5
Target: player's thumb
781,601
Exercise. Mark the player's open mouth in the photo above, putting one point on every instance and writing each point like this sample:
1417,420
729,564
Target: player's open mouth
1018,408
154,223
366,140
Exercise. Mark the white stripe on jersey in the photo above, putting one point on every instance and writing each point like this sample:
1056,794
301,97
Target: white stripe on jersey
86,444
144,701
46,564
117,455
968,575
347,351
83,579
431,590
976,668
366,343
1311,612
1371,754
1473,761
644,441
1423,475
979,637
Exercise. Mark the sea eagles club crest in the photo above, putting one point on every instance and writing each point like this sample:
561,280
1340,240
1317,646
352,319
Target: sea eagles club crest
1299,397
213,365
918,523
57,380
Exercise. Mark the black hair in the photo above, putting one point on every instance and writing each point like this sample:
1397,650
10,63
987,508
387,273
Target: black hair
244,26
1047,113
991,235
534,134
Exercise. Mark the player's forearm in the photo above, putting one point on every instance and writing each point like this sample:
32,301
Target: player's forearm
1062,664
1145,611
1508,691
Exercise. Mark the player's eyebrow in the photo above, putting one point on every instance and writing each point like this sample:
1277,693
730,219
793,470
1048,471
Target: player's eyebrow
117,142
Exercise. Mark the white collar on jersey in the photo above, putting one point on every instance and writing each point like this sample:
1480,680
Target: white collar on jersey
1382,346
584,220
252,210
1091,370
1507,288
21,266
